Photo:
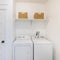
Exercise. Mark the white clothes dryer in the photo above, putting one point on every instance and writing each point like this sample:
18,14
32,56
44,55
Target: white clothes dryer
22,49
43,49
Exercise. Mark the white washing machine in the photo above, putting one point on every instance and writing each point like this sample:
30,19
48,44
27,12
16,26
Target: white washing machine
43,49
22,49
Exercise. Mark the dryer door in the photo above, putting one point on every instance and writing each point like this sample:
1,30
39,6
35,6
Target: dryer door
23,52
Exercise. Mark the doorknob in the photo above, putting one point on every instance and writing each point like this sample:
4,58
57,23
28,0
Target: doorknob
2,41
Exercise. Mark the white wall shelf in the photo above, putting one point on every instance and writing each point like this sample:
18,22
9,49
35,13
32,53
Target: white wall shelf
33,20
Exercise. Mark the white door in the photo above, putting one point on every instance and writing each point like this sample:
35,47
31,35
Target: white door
4,1
2,33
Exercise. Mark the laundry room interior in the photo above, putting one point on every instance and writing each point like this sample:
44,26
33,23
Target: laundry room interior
31,30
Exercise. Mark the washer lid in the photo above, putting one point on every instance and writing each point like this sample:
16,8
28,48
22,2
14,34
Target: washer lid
41,40
23,39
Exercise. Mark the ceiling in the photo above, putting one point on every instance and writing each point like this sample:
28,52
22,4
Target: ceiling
42,1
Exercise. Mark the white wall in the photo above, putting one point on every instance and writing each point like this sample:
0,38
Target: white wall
30,8
28,26
54,25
